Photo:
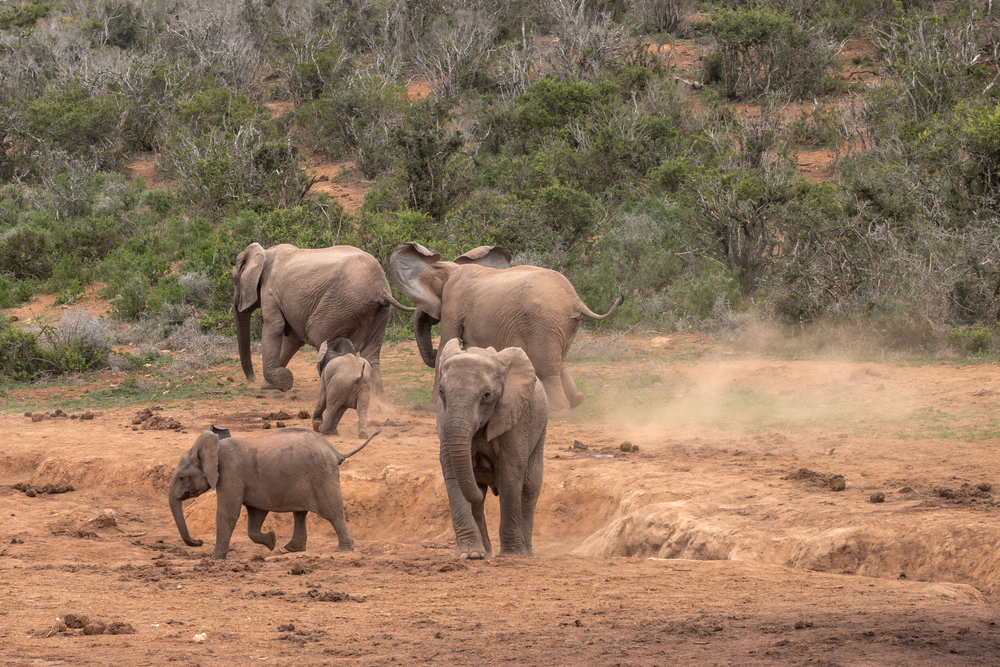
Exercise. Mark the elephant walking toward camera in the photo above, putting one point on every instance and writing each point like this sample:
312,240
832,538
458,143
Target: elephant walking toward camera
310,297
485,304
491,420
344,382
291,470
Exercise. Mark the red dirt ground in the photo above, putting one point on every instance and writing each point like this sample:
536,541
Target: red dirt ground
700,548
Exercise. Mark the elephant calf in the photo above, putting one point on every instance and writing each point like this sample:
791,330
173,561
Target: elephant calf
491,420
344,382
291,470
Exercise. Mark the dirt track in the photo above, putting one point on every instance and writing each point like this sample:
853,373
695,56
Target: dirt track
694,550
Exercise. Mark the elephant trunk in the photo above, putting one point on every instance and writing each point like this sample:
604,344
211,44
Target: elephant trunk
460,452
178,512
243,340
422,323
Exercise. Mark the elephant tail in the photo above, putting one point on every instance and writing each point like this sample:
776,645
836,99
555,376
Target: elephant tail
589,313
343,457
393,302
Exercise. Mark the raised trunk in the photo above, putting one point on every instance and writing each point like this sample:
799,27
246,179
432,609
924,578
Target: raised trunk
178,512
422,323
461,462
243,341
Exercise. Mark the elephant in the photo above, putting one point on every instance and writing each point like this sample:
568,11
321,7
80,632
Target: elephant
310,296
291,470
476,298
491,421
344,382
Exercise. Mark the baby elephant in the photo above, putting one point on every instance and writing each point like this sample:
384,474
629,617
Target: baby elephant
344,379
290,470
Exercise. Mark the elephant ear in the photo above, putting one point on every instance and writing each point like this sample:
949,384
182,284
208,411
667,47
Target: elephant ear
518,387
207,447
449,349
246,275
343,346
418,274
492,256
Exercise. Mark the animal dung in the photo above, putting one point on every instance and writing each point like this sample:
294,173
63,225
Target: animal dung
877,497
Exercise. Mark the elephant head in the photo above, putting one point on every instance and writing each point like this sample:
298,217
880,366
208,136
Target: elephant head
246,298
196,473
327,352
479,390
421,275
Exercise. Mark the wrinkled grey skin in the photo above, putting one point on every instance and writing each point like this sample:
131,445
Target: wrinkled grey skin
491,419
310,297
290,470
344,382
484,304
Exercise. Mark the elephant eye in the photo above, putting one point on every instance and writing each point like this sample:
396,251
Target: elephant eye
487,396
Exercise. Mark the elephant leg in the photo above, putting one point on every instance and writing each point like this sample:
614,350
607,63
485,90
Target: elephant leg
468,536
298,541
227,513
559,404
574,395
529,497
479,514
255,519
320,407
277,349
332,509
332,419
510,485
369,345
361,407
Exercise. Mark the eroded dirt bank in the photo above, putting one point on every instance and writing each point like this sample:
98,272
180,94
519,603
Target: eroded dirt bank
707,545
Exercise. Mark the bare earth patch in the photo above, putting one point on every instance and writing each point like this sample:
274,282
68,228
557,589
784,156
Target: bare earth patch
707,545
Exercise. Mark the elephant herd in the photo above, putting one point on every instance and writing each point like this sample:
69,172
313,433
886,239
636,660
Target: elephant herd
505,333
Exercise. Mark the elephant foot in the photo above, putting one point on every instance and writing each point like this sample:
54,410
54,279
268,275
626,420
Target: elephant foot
281,379
269,540
470,552
362,435
575,401
345,547
292,547
218,556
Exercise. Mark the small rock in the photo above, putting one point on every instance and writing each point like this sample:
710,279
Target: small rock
580,446
984,487
287,627
902,575
799,625
625,446
95,628
946,492
87,415
837,483
906,489
201,637
31,493
877,497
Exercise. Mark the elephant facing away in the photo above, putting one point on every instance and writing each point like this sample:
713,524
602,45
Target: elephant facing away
310,297
344,382
291,470
491,420
485,304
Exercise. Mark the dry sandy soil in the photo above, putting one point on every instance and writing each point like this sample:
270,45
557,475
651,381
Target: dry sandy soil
707,546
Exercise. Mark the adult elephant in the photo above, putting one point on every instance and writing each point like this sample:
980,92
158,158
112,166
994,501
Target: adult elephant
482,300
310,296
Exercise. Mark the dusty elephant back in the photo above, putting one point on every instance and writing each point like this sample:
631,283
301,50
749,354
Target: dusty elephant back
523,306
335,291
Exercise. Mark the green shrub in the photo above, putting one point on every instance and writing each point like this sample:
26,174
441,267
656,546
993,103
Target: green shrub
759,50
428,156
26,252
975,341
76,122
14,291
23,15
